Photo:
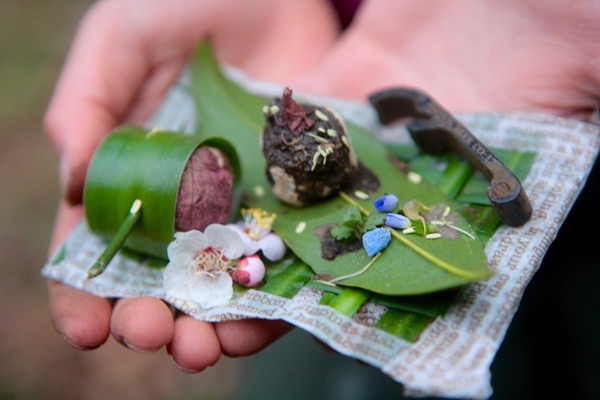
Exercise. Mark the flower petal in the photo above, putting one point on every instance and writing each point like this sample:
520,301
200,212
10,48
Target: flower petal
211,291
239,227
251,247
397,221
226,239
185,246
175,282
273,248
386,203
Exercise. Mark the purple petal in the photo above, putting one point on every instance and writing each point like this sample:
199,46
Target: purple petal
386,203
397,221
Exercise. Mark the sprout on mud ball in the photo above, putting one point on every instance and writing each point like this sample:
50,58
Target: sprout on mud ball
308,151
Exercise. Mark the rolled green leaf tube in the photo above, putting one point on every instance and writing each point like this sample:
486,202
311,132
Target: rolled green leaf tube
133,163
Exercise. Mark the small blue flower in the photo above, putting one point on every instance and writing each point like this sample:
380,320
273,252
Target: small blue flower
397,221
386,203
376,240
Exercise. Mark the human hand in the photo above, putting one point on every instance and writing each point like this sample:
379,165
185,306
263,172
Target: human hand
125,56
471,55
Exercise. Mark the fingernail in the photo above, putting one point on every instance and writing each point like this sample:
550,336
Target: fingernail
186,370
76,346
136,348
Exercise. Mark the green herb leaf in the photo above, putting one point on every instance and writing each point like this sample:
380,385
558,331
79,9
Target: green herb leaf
341,232
352,218
374,220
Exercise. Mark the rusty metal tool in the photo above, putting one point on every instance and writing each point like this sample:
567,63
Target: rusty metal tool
435,130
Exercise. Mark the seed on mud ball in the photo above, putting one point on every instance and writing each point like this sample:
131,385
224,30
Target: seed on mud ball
308,151
206,191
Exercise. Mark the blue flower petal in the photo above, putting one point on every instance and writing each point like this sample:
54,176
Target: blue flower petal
397,221
376,240
386,203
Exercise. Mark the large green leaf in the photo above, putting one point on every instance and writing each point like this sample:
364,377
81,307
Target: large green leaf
412,264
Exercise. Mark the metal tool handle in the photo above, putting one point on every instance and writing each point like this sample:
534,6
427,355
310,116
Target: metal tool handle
435,130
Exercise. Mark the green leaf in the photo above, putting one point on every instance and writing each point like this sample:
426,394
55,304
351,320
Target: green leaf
431,305
352,217
374,220
403,324
342,232
475,190
410,265
284,279
456,174
60,255
349,301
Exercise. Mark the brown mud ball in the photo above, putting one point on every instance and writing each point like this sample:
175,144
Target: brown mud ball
308,151
206,191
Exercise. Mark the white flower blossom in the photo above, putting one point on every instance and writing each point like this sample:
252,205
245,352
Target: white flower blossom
199,266
255,232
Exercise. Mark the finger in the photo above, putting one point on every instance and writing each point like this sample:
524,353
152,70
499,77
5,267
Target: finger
246,337
66,219
195,345
81,318
142,324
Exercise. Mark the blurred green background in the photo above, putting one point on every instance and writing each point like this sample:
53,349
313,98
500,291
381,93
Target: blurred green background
552,344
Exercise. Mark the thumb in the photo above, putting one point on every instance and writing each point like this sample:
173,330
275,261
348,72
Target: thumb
76,130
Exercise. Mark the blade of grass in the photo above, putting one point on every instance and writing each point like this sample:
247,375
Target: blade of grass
403,324
349,301
288,280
